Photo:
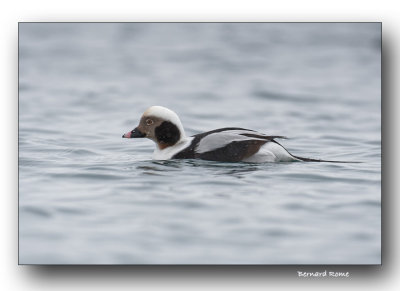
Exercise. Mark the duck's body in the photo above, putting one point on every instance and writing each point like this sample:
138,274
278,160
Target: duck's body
229,144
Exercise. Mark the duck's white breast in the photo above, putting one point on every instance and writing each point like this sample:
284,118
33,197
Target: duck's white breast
169,152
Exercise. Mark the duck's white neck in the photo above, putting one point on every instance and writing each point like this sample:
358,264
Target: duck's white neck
166,153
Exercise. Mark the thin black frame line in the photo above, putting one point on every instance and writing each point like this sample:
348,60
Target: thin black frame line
18,234
213,265
200,22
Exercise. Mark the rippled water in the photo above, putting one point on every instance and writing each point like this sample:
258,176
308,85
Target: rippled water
88,196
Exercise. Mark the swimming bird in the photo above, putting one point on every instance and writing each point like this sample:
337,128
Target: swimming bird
229,144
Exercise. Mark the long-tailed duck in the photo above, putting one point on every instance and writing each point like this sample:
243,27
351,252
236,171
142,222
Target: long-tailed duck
229,144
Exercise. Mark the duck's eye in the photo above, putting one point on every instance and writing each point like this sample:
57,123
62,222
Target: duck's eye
149,121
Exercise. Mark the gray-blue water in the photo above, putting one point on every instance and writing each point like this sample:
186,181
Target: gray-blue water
88,196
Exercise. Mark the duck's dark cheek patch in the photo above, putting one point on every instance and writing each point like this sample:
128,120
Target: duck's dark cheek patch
167,133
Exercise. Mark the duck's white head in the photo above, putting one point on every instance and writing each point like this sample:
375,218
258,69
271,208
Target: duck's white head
161,125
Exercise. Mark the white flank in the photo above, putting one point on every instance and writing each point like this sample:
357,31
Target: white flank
271,152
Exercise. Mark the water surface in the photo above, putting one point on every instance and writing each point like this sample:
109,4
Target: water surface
87,196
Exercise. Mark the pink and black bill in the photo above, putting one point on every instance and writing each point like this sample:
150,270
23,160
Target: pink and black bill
134,134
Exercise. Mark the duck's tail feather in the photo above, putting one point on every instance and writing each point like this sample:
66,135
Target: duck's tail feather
324,161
